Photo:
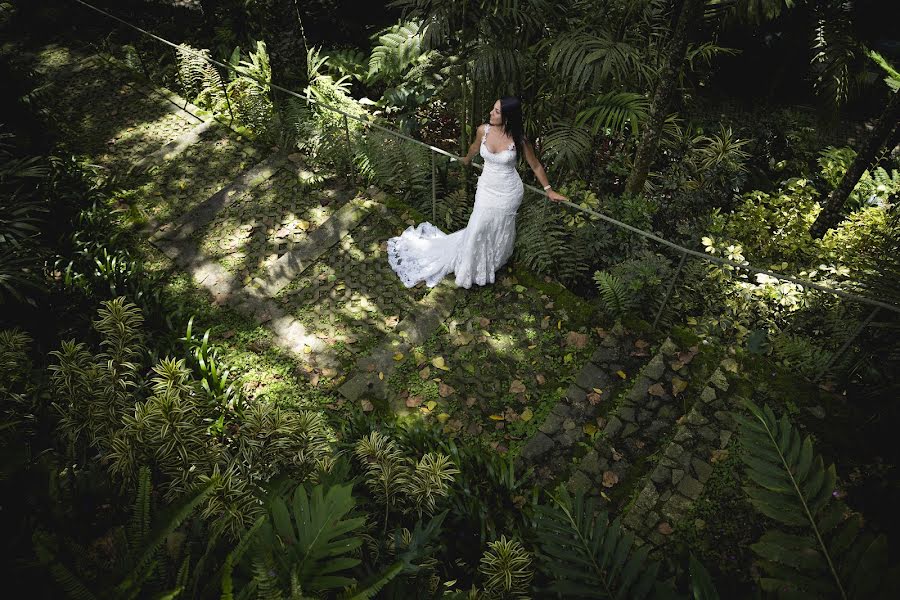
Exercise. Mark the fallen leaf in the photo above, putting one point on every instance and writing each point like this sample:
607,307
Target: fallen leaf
425,373
443,417
622,374
367,406
484,322
438,361
516,387
545,322
686,357
398,356
306,349
470,401
541,380
576,340
678,385
370,367
718,456
641,344
589,428
511,415
601,332
431,404
496,417
610,479
314,379
597,390
532,347
526,415
676,365
380,375
594,398
664,528
445,390
414,401
329,372
559,324
656,390
464,338
729,364
616,456
391,321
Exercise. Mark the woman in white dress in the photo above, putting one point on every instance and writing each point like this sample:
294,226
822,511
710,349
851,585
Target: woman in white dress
474,254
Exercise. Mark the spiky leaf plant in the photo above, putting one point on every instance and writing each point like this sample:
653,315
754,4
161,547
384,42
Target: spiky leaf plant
586,556
507,569
824,552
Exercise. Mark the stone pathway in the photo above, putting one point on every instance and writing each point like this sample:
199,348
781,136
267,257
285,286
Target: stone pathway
520,364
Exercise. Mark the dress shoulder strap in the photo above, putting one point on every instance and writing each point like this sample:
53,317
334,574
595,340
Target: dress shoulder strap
487,127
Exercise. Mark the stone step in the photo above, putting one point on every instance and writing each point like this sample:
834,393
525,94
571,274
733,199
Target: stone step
678,477
611,370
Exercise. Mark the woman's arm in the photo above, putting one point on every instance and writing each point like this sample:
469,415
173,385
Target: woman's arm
473,149
538,169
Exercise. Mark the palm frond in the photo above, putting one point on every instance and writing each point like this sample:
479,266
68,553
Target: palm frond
587,556
615,111
826,553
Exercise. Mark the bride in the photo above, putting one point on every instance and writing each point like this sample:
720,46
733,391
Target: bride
474,254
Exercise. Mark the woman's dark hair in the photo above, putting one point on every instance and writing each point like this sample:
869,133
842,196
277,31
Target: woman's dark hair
511,111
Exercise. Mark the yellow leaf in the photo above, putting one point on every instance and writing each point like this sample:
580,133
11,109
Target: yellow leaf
598,390
442,418
532,347
559,324
438,361
431,404
496,417
398,356
590,428
678,385
729,364
567,358
526,415
380,375
622,374
306,349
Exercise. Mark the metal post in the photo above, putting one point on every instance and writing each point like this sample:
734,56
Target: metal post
227,100
834,357
143,65
433,190
349,145
669,290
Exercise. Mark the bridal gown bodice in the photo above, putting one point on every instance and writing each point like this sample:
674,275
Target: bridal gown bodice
475,253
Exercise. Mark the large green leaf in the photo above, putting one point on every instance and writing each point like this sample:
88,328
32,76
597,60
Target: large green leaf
587,556
826,553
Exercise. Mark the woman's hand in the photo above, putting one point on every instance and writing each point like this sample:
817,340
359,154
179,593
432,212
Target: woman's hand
556,196
466,160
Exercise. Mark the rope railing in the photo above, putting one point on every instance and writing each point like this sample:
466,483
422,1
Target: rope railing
685,252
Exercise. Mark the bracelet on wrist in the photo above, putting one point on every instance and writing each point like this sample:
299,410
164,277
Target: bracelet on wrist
547,187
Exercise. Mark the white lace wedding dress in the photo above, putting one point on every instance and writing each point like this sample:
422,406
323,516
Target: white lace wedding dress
474,254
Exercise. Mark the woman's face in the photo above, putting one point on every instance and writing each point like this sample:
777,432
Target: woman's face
496,116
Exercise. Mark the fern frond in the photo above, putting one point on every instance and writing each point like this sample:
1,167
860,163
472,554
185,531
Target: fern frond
586,556
156,538
617,301
790,483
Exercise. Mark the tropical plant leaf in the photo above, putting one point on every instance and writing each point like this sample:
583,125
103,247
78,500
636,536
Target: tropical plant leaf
826,554
587,556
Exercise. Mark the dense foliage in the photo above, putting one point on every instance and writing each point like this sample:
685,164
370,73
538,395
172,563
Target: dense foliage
137,464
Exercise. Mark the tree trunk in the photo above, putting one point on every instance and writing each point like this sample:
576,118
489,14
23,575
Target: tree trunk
874,140
281,32
662,96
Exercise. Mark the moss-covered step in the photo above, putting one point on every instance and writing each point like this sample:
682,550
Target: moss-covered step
501,360
250,234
